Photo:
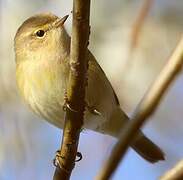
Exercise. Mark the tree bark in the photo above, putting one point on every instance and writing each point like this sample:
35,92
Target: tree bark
75,100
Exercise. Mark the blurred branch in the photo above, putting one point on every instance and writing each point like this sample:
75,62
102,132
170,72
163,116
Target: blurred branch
146,107
175,173
135,33
139,22
75,103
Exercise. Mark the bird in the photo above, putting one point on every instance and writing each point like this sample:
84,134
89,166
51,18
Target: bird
42,55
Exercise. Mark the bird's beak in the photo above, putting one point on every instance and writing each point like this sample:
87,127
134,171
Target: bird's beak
60,21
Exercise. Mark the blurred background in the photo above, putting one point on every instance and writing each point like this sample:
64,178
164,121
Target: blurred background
132,40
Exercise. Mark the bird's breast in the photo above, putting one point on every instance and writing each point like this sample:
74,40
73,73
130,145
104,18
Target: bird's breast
42,87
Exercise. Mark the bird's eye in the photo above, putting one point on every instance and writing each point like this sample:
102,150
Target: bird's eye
40,33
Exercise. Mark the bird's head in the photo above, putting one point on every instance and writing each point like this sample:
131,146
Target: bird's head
40,36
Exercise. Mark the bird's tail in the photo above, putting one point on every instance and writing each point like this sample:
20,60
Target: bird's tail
142,145
147,149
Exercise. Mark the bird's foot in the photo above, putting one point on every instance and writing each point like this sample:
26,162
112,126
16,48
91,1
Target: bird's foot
57,163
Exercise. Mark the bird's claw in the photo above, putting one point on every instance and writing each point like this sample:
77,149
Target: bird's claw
80,157
93,110
58,164
56,161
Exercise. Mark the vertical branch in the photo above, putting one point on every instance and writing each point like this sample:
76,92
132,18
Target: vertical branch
146,107
75,104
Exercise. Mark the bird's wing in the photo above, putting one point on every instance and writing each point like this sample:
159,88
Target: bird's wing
100,93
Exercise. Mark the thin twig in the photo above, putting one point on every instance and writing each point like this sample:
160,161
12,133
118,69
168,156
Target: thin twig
136,29
176,173
146,107
76,89
139,22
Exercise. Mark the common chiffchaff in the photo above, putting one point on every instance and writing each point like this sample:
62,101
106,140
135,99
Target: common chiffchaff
42,48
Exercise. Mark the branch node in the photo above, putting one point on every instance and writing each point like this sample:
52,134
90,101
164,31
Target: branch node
74,68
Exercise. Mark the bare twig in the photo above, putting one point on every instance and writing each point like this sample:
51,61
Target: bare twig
136,29
76,89
139,22
146,107
176,173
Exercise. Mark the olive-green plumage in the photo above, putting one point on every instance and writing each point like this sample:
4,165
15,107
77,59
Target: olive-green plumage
42,48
